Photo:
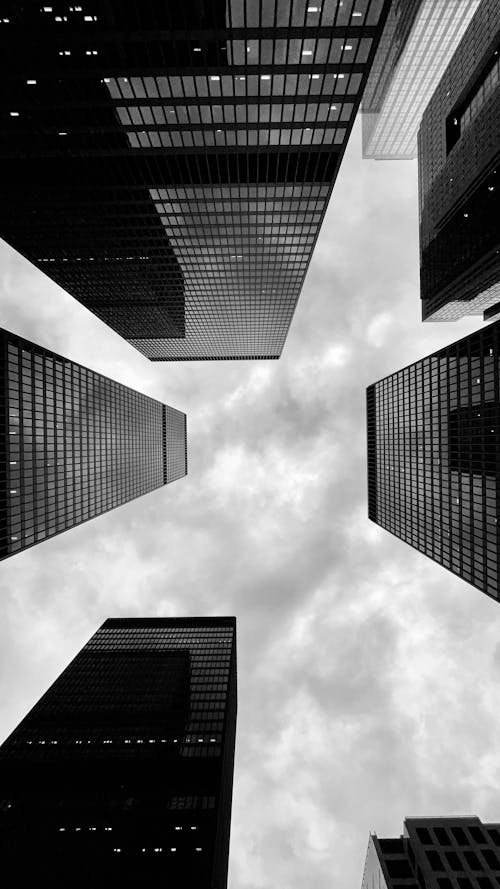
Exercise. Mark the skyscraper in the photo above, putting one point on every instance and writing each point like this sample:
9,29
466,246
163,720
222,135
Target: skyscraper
459,155
74,444
435,853
434,456
170,164
121,774
418,40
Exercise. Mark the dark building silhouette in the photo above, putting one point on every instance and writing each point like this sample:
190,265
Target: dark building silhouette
121,774
74,444
418,41
459,156
434,456
170,164
435,853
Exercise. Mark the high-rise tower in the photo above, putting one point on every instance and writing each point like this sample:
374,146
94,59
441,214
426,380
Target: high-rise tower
170,164
418,41
434,456
435,853
459,170
74,444
121,774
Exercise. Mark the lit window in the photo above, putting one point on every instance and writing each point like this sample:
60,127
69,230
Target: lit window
14,113
31,82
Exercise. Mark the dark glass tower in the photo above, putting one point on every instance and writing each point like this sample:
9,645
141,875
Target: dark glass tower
74,444
459,168
121,775
418,41
435,853
434,456
170,164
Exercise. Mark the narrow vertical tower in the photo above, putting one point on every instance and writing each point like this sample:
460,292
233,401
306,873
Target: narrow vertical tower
434,456
74,444
459,189
121,775
435,853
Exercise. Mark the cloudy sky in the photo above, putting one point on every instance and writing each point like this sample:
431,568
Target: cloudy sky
368,675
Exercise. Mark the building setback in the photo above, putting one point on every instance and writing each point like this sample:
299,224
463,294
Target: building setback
74,444
418,40
435,853
459,157
121,774
434,456
170,164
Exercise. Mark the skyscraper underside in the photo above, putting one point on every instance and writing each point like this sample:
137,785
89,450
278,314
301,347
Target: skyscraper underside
170,164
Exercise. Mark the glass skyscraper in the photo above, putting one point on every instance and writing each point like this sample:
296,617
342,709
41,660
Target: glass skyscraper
459,154
435,853
74,444
170,164
418,40
121,774
434,456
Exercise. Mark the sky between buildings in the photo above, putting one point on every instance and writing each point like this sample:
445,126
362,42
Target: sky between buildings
368,675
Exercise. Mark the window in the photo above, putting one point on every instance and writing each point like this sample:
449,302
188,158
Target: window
459,835
472,860
434,860
442,836
491,858
398,867
453,860
424,836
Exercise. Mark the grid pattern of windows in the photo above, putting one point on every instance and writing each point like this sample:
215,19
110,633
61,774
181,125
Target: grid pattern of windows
75,444
191,160
419,40
436,853
433,446
459,151
145,714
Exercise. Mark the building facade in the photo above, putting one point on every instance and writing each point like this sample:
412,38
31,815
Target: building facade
121,774
435,853
74,444
418,41
459,157
434,456
170,164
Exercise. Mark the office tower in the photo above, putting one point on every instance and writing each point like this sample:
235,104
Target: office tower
435,853
121,774
434,456
459,155
74,444
418,40
170,164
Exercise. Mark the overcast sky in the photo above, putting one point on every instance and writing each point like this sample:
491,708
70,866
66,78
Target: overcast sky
368,676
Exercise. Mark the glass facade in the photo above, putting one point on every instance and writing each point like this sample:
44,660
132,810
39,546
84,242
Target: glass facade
74,444
434,459
459,146
418,41
169,165
435,853
122,773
